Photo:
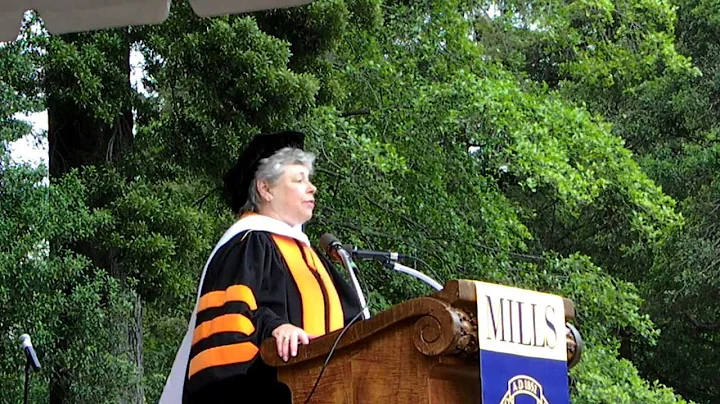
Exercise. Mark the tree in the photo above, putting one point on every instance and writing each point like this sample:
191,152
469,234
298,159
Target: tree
50,297
430,140
631,63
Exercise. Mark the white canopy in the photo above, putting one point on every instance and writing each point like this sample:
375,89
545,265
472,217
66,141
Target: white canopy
64,16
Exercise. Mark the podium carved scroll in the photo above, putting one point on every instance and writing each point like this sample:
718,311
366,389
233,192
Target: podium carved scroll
459,320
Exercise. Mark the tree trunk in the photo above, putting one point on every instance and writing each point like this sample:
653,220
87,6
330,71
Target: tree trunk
77,139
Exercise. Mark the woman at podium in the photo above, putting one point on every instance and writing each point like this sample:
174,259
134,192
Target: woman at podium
263,279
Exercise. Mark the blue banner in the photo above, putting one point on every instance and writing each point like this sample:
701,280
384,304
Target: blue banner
521,335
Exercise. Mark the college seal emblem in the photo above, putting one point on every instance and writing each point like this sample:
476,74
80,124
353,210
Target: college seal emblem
522,385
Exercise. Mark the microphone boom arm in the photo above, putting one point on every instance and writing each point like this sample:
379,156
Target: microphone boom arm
417,274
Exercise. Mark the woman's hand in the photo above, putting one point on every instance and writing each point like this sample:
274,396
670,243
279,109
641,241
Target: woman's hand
287,337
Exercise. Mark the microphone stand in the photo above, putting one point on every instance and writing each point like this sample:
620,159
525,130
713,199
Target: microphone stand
350,266
394,265
27,380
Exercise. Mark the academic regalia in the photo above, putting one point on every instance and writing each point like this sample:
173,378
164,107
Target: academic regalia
261,274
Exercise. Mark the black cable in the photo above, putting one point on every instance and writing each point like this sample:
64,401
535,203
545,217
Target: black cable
332,350
337,340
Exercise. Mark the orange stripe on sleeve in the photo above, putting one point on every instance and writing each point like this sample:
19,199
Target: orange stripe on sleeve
235,293
222,355
225,323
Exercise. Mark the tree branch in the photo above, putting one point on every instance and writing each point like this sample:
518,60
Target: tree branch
363,111
390,211
700,327
328,172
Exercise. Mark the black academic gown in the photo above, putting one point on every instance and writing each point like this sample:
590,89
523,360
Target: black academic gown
249,278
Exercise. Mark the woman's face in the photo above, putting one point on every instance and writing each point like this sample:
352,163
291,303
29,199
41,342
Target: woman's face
292,198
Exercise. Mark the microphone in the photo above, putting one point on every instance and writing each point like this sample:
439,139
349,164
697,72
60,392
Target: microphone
335,249
332,246
370,255
390,260
30,351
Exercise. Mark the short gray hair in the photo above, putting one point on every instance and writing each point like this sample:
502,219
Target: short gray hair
272,168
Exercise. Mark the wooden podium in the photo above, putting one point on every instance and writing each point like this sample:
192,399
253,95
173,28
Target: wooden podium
422,351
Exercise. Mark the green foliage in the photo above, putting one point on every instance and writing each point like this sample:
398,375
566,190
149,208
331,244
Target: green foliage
220,80
157,231
668,117
631,62
50,297
543,176
684,278
18,89
594,52
85,70
477,142
602,378
604,304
